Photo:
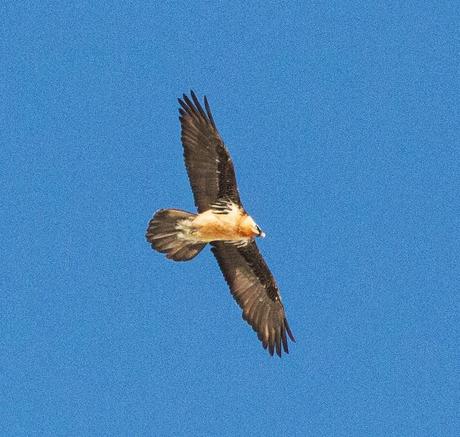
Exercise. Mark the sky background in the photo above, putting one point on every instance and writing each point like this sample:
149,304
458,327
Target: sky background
343,122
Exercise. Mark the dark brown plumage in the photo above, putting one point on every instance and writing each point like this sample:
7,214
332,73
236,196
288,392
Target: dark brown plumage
253,287
208,163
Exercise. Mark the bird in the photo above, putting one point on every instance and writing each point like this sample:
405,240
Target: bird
222,222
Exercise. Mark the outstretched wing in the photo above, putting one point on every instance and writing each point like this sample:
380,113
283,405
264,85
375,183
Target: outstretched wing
209,166
254,288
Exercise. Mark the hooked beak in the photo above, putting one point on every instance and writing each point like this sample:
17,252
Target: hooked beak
260,233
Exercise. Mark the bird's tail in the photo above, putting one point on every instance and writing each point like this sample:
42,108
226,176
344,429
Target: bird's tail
169,233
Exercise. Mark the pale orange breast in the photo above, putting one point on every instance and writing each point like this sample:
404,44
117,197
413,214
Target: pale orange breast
209,226
218,231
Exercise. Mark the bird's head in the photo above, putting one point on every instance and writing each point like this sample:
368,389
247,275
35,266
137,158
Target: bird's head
251,228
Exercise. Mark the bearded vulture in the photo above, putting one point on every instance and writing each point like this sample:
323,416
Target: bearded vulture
223,222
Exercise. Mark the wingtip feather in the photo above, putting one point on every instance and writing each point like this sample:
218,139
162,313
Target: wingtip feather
288,330
208,110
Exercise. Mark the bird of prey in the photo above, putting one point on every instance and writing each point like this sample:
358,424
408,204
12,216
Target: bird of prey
224,224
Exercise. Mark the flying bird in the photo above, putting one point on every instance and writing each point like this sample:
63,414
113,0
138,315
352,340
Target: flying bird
222,222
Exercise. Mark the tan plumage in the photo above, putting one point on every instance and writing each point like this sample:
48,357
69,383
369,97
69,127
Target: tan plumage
222,222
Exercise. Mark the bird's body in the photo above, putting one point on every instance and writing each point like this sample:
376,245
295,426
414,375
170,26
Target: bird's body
223,222
232,225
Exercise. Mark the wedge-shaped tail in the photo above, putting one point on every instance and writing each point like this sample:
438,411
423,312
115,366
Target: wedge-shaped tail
169,233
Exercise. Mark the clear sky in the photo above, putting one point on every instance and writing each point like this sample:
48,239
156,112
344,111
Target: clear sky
343,122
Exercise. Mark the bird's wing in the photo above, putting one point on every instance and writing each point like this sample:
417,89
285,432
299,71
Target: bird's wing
254,288
209,166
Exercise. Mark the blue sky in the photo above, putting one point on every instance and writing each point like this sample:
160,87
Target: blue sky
342,120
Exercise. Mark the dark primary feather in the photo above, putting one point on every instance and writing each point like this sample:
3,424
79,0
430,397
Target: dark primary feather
209,166
253,286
